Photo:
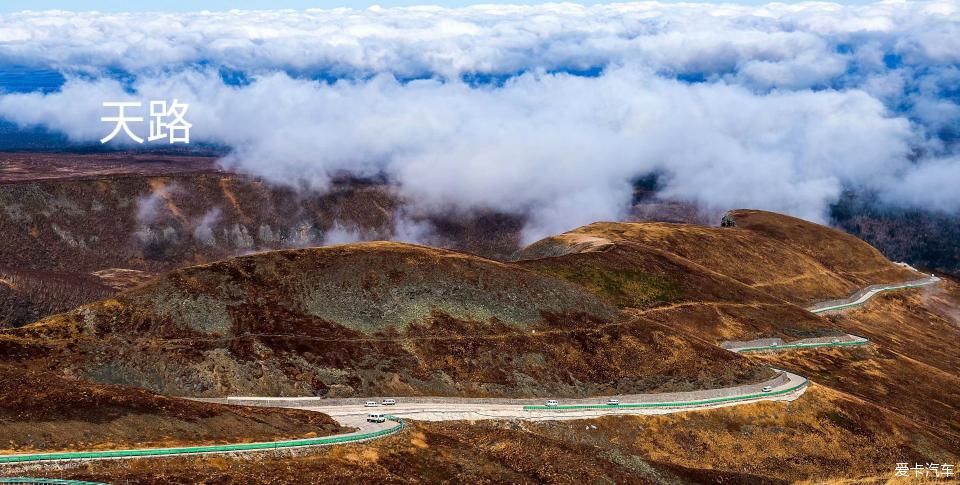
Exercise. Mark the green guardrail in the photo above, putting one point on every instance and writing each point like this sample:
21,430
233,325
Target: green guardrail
273,445
699,402
881,290
801,346
52,481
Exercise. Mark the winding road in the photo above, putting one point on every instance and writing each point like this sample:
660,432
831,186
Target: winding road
862,296
352,412
857,299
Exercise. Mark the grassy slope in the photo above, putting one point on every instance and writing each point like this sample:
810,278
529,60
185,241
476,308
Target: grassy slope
912,368
824,435
867,410
374,318
785,257
42,411
870,407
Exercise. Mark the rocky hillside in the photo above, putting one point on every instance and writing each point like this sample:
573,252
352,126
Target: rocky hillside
607,308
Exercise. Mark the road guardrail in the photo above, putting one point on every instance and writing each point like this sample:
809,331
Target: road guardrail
675,404
189,450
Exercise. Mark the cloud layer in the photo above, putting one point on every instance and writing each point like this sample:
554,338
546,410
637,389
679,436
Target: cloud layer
549,111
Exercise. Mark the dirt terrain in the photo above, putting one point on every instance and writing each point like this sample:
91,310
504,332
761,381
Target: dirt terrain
785,257
822,436
913,367
49,412
371,319
65,217
34,166
166,282
642,313
845,429
718,283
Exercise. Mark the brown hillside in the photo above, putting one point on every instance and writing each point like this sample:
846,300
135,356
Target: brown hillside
366,287
836,250
155,216
794,260
29,295
661,287
821,437
868,409
42,411
912,366
368,319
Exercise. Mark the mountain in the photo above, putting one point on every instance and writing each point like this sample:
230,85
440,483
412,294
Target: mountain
72,222
367,319
374,318
607,308
925,238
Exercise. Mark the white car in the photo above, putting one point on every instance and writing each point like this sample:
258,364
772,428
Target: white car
388,402
613,402
552,402
376,418
767,389
370,404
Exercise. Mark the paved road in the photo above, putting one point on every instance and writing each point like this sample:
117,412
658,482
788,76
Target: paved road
861,297
855,300
777,344
365,431
784,387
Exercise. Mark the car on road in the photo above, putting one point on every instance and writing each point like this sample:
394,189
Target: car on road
613,402
835,341
388,402
767,389
370,404
552,402
376,418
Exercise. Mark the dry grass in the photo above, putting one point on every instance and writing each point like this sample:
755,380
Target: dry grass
42,411
823,435
787,257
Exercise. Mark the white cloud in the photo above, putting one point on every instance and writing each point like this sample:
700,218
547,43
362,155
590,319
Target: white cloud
931,184
338,234
500,38
560,148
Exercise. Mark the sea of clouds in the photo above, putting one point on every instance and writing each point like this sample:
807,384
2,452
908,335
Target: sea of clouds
548,111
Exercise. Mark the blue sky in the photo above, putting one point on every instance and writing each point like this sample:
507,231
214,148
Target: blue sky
190,5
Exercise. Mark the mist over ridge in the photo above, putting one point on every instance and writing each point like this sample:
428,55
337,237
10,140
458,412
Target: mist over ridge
548,111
